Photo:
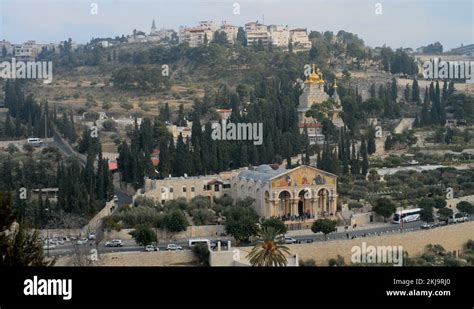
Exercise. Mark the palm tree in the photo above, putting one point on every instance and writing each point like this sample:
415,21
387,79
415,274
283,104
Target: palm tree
268,252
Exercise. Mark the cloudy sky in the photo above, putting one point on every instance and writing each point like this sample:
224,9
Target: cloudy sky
407,23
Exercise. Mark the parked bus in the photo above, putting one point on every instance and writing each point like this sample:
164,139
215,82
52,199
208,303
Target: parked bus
195,241
407,215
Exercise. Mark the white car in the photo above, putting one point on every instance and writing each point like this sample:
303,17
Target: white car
173,247
49,247
151,248
82,241
290,240
114,243
92,236
426,226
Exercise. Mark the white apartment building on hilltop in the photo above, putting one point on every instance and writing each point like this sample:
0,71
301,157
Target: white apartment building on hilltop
256,32
27,51
279,35
194,36
197,35
231,32
300,40
7,46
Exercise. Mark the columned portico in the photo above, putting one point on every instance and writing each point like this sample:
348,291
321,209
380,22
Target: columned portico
303,193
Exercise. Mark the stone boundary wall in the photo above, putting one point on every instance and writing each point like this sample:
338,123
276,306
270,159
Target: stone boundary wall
451,237
191,232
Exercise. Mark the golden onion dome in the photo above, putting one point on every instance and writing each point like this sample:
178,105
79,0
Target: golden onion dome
314,78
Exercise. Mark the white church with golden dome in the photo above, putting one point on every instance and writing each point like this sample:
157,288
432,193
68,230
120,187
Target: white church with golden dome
313,93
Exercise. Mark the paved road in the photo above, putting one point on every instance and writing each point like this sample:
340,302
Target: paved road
130,246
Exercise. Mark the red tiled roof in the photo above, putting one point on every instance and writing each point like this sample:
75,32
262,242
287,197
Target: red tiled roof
113,166
155,161
214,181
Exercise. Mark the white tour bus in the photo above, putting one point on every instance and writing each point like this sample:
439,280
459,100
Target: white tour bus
407,215
34,141
195,241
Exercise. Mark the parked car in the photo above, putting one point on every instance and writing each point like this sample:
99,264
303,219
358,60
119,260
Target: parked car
49,247
290,240
151,248
92,236
427,225
462,217
82,241
458,217
114,243
173,247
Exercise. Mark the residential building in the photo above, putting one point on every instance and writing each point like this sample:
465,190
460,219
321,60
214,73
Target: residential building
231,32
195,36
256,32
300,40
27,51
177,130
208,25
170,188
279,35
46,193
8,47
464,50
224,113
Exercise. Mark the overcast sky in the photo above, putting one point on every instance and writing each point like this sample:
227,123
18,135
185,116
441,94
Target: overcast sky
407,23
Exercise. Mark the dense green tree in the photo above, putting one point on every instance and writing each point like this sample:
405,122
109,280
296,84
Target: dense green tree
241,221
325,226
241,36
143,235
465,207
277,224
384,207
175,221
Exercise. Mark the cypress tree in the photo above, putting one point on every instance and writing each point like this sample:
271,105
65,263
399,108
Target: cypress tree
393,90
365,157
415,91
371,141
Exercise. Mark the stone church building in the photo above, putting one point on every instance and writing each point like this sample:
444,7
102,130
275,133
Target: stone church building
303,192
